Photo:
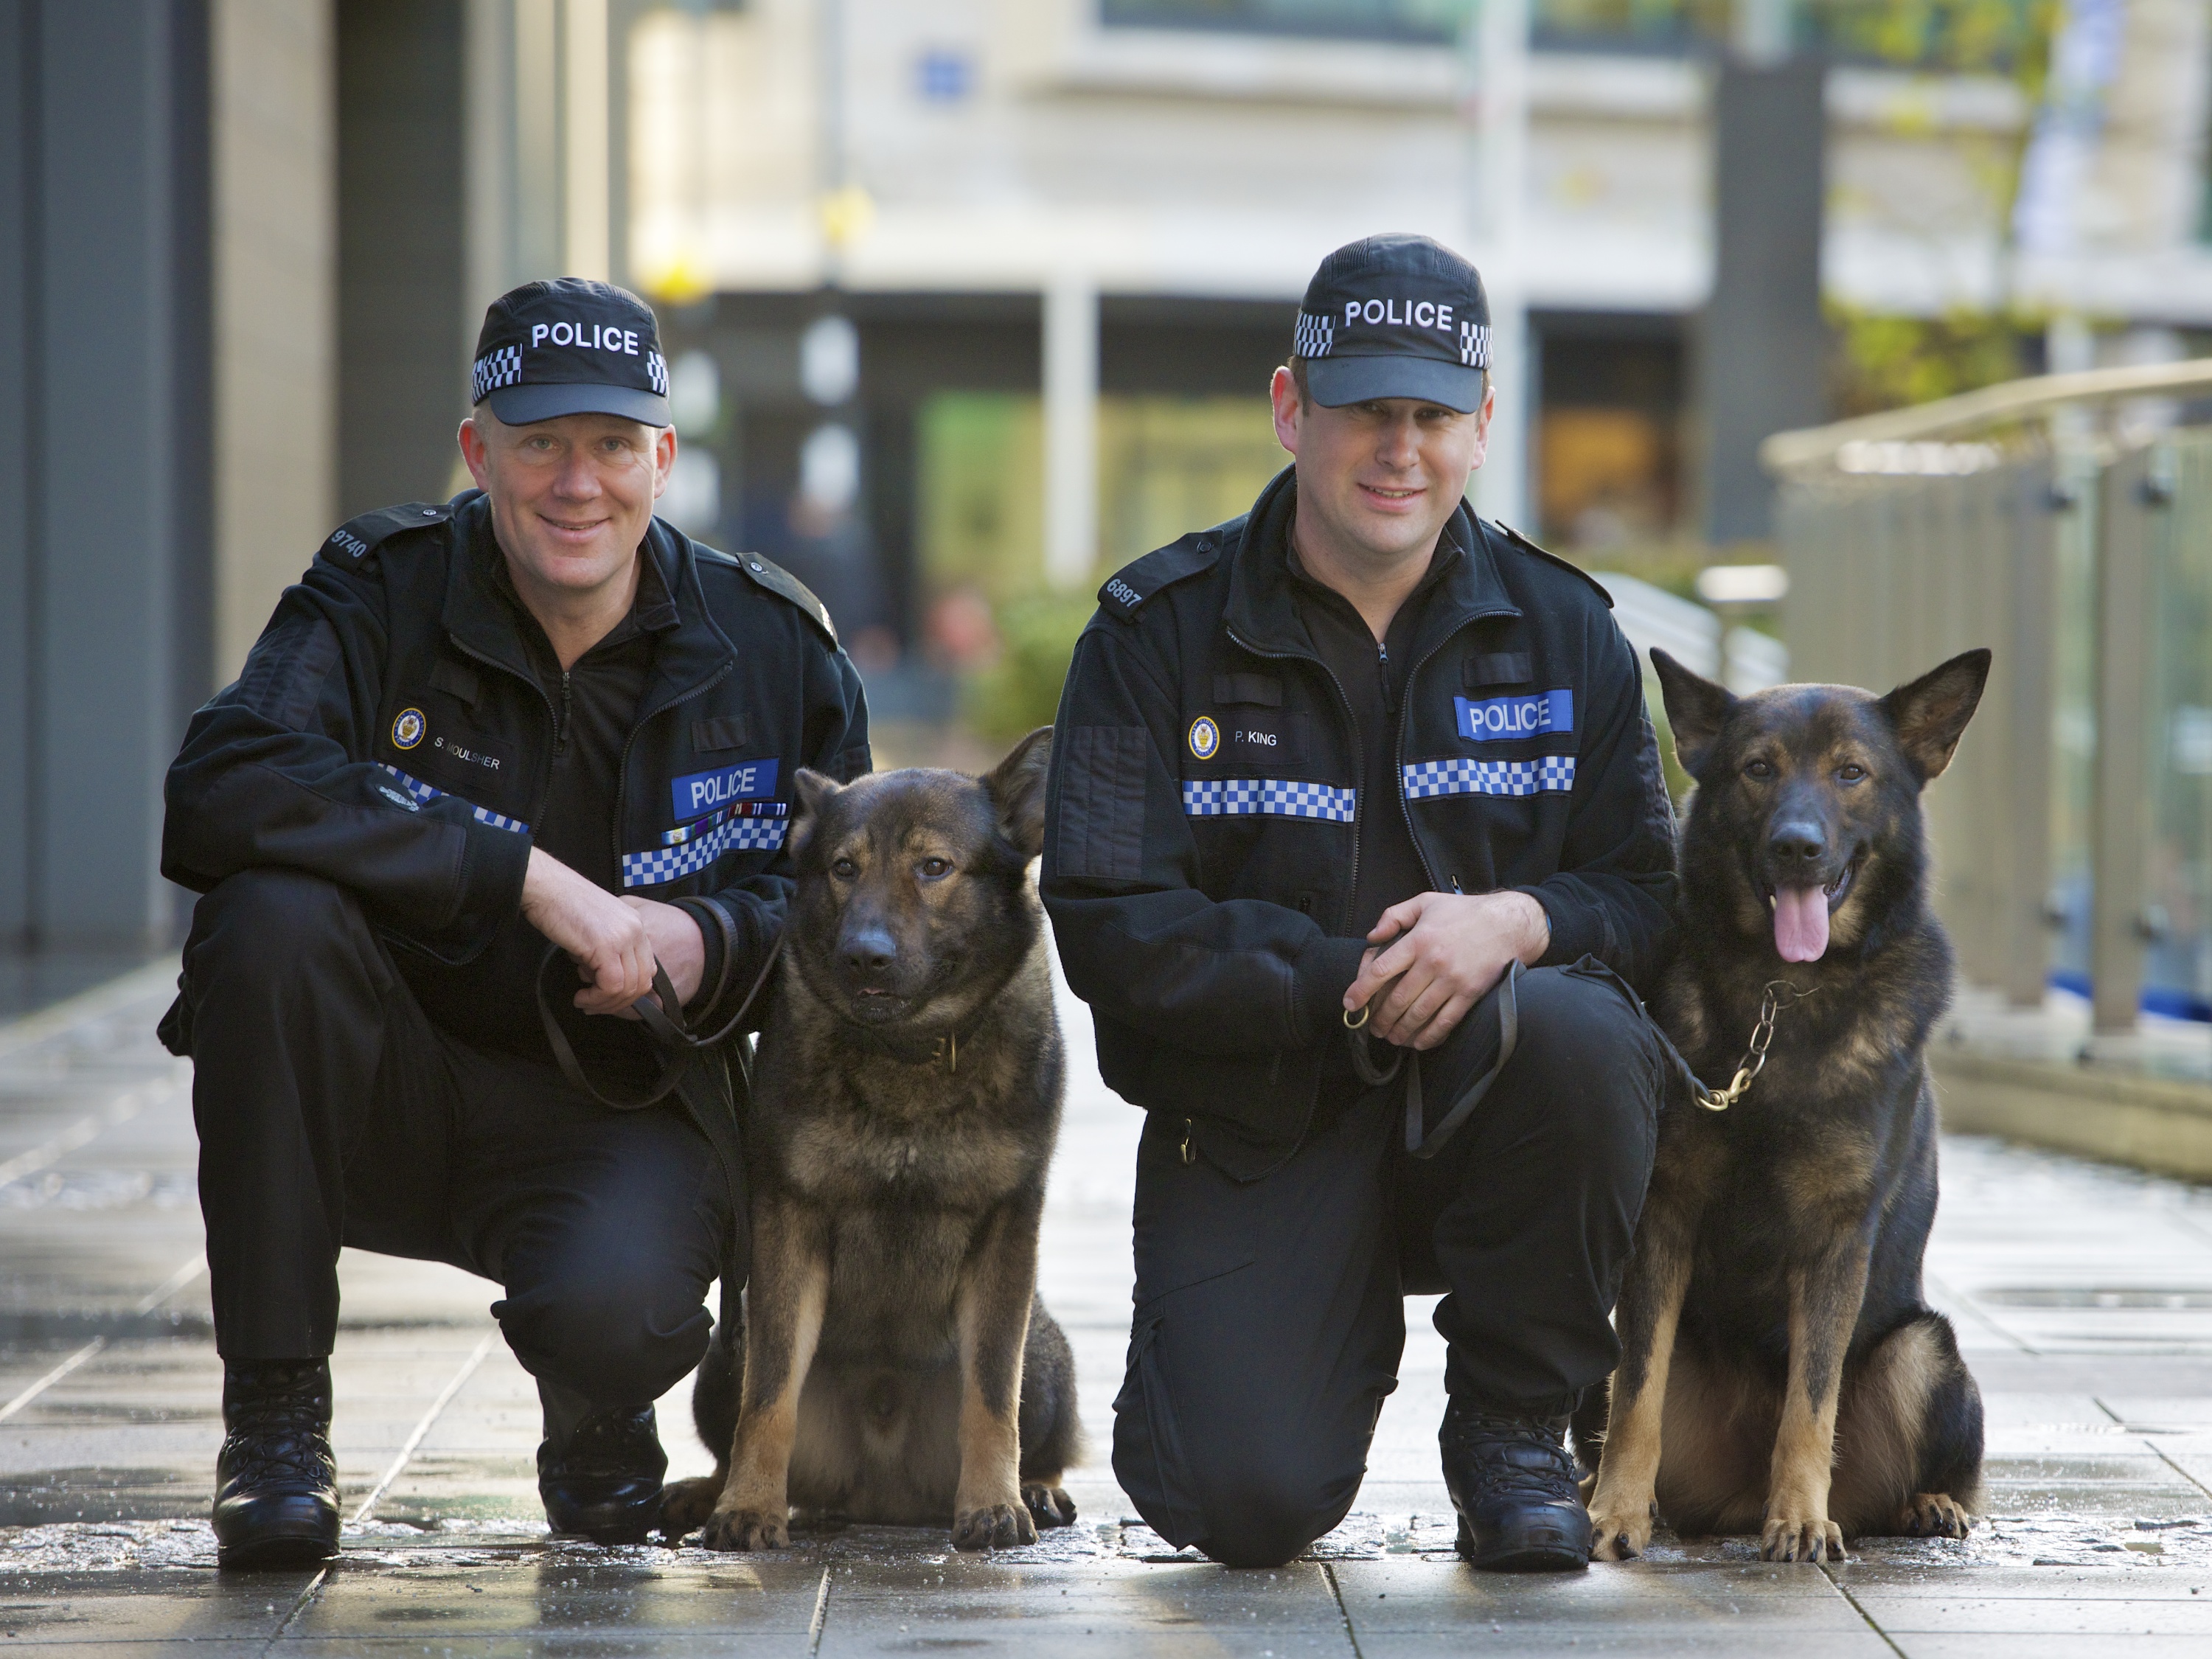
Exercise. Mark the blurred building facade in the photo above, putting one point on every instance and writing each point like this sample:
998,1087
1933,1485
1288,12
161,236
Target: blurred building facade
966,298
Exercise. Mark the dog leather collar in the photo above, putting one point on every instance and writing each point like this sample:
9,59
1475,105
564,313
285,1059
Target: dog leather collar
918,1050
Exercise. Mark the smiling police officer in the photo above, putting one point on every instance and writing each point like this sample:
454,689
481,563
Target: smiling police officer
1360,758
534,723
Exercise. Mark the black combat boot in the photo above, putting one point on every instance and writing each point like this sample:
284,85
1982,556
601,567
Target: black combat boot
1513,1485
599,1468
275,1491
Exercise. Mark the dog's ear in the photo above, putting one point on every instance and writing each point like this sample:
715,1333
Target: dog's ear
1930,713
1695,709
815,790
1017,789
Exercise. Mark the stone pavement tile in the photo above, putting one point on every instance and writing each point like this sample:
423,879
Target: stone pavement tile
2160,1411
2014,1644
1096,1606
2112,1485
1892,1581
1902,1617
637,1594
145,1607
131,1432
1410,1609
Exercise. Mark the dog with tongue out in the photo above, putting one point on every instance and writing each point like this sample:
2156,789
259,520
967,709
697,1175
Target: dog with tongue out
1781,1373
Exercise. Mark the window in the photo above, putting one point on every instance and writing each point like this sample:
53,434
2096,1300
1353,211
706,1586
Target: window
1415,22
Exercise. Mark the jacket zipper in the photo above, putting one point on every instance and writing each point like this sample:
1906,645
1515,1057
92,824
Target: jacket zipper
544,776
560,721
1405,712
1358,759
621,772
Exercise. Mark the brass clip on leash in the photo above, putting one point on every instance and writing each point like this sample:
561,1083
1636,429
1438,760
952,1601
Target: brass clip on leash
1780,993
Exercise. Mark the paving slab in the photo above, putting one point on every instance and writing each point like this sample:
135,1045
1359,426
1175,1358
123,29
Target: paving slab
2083,1297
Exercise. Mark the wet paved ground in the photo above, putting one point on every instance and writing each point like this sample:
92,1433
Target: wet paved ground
2083,1297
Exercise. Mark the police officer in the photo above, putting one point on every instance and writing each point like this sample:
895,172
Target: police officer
494,771
1362,758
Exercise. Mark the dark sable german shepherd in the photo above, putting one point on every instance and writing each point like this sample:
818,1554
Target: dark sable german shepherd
1780,1369
897,1366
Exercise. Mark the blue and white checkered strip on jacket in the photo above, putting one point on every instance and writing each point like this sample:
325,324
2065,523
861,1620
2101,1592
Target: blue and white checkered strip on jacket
1281,798
425,793
749,825
1545,774
498,369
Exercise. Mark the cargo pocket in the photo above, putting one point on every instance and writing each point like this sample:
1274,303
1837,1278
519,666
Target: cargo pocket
1148,1451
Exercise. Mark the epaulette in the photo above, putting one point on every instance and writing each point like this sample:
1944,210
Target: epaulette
776,580
349,545
1528,546
1127,588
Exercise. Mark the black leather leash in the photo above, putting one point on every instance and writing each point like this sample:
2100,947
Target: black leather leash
1509,1038
663,1017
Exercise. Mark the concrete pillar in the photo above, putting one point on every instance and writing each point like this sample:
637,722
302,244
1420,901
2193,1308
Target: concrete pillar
1071,432
275,260
401,168
103,455
2119,811
1761,346
586,236
1500,488
2025,770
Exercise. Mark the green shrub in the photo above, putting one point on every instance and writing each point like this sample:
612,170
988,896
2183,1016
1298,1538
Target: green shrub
1037,636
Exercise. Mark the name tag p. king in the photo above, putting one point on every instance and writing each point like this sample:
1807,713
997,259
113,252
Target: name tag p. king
1529,716
698,794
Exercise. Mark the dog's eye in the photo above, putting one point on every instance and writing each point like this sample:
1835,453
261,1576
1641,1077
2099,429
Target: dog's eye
1758,769
935,869
844,869
1853,772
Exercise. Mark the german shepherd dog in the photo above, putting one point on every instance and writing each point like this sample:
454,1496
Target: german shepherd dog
895,1364
1780,1369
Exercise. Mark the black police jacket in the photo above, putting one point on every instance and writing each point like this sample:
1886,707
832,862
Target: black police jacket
387,733
1204,820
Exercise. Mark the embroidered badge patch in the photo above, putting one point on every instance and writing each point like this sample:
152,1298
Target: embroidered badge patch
1515,717
695,793
1204,737
407,730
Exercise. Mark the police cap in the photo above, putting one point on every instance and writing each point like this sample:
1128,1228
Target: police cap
570,347
1394,316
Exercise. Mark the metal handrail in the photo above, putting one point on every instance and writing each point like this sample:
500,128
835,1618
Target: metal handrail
1791,452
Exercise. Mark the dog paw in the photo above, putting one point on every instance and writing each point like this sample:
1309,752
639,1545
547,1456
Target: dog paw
1048,1506
1801,1537
1620,1534
993,1527
685,1505
745,1529
1933,1515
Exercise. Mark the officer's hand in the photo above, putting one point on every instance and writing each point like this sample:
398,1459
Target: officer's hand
676,942
606,938
1445,951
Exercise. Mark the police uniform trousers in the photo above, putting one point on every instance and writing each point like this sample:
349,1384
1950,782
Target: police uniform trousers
1270,1317
332,1112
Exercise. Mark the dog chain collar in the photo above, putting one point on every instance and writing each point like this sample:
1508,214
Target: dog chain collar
1780,993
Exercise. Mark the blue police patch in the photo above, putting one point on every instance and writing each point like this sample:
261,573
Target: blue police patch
1495,718
695,793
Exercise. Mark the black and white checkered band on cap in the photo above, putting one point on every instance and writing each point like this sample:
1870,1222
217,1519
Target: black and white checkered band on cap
495,369
1313,335
1475,344
656,370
